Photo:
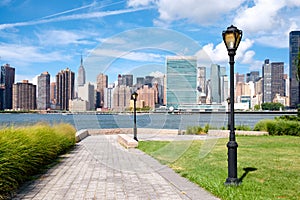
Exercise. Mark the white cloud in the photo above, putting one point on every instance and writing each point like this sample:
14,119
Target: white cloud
63,37
269,22
71,17
21,54
201,12
133,56
137,3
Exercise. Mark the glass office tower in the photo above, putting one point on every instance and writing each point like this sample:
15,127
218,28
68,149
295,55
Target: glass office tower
181,81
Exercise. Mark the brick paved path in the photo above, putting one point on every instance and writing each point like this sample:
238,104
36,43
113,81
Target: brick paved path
99,168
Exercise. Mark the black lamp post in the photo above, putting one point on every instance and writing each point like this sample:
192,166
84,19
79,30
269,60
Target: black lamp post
232,37
134,96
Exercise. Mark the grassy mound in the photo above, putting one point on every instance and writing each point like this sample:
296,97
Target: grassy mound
25,150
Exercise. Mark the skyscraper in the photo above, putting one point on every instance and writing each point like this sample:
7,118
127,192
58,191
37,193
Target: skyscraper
217,83
87,93
24,96
81,74
267,81
102,83
294,80
43,99
127,79
53,93
64,88
181,87
7,79
121,97
252,76
202,84
277,72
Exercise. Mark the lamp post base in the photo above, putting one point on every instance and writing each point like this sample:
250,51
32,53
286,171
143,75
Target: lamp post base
232,182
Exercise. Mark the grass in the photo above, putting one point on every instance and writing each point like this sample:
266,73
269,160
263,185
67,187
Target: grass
274,161
24,151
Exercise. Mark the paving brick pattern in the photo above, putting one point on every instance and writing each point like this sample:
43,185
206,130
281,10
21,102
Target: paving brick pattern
100,168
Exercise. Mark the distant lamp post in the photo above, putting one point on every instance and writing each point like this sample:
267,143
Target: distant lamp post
134,96
232,37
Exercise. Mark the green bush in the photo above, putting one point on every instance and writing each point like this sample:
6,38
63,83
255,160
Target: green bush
279,127
25,150
243,128
194,130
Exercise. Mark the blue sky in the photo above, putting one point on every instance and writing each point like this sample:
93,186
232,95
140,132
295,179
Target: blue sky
135,36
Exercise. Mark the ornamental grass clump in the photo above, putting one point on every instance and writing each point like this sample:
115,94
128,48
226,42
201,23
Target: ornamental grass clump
24,151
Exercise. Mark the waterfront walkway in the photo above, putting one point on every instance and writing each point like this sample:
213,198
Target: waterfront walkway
100,168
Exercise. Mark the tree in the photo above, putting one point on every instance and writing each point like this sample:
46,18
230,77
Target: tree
272,106
257,107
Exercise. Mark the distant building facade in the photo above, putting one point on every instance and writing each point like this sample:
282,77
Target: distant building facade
65,90
7,79
43,99
102,83
294,80
181,87
87,93
24,96
277,74
121,98
267,81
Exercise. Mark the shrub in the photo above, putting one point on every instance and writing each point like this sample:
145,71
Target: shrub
25,150
243,128
279,127
194,130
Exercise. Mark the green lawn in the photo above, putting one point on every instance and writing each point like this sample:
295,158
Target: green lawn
275,161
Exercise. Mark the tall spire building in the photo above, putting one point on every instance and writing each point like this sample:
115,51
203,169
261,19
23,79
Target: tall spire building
81,74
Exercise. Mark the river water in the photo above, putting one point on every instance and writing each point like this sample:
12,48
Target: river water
151,120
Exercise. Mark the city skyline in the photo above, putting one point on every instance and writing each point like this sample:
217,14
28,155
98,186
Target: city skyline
50,36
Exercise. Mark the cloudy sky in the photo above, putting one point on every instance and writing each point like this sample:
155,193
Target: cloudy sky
135,36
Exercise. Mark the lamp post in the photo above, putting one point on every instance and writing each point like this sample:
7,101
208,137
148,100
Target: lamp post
232,37
134,96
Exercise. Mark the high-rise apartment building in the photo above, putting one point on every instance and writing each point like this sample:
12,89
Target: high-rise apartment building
148,95
24,96
294,80
140,81
239,78
53,93
108,97
7,79
201,84
43,99
149,80
81,74
277,79
121,97
65,88
127,80
252,76
181,87
217,84
102,83
267,81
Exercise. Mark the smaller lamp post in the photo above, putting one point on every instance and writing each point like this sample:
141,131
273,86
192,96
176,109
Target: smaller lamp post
232,37
134,96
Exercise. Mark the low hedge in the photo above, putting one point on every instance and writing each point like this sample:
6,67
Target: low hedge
279,127
25,150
